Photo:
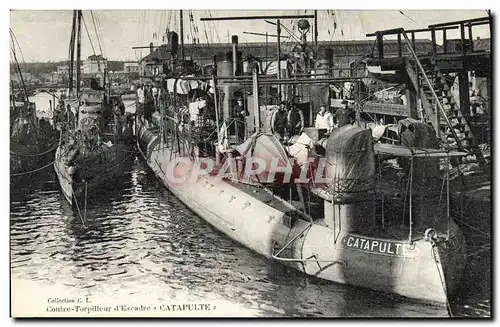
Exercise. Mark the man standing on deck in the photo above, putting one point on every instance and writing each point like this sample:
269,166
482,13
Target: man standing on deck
159,98
119,112
295,121
140,99
238,115
154,91
149,104
324,119
345,115
279,121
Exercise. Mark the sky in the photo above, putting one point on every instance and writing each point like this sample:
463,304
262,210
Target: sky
43,35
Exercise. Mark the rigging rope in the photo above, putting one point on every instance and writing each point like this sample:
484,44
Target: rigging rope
96,32
206,34
88,35
155,26
76,202
297,39
32,171
71,56
91,43
190,27
402,13
13,48
215,28
18,70
162,25
435,255
195,28
35,155
101,37
18,46
334,21
139,28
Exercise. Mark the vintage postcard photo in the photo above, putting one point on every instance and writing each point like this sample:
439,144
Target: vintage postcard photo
250,163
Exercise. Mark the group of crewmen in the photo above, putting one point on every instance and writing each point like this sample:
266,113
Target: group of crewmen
147,97
289,120
342,116
119,116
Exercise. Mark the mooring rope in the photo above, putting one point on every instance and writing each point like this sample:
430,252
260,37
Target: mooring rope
126,158
483,234
443,283
78,207
33,171
483,249
35,155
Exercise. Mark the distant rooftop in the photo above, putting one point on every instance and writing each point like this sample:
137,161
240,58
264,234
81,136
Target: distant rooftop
96,57
258,49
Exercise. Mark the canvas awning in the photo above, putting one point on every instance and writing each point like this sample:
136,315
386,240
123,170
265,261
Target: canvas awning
184,86
350,161
265,147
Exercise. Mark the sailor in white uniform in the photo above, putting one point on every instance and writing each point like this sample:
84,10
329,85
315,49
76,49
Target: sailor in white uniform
324,119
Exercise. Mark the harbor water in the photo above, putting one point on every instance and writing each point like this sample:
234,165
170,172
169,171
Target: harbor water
139,240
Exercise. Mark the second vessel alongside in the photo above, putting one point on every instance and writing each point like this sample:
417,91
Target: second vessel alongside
92,149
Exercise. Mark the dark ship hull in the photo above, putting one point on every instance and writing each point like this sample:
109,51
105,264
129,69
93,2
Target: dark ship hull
90,157
89,176
31,152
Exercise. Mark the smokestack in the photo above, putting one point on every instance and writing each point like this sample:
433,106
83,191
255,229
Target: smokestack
173,41
151,48
234,41
329,60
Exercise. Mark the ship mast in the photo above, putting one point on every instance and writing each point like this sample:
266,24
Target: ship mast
18,67
181,28
78,51
278,26
12,95
72,52
316,31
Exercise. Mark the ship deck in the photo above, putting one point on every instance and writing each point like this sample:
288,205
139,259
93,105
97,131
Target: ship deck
396,229
389,199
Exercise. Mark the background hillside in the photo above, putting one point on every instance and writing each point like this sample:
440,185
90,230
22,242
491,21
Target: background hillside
38,68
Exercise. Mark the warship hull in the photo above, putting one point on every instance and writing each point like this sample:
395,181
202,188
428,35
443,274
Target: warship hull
422,270
100,174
